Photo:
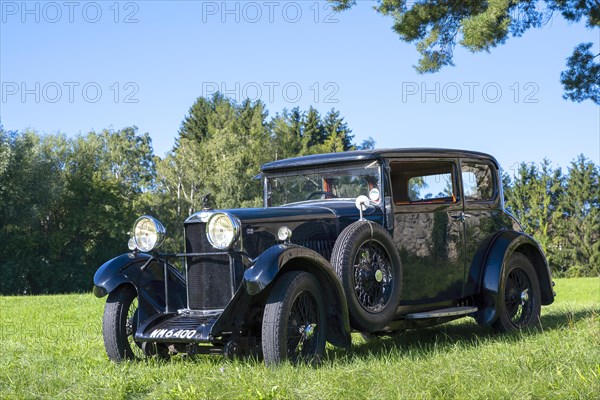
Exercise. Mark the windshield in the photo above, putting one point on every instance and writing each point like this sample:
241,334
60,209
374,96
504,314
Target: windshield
340,182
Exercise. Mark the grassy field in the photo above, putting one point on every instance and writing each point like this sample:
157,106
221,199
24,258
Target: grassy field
51,347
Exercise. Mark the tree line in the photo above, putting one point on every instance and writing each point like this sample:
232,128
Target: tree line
68,203
562,211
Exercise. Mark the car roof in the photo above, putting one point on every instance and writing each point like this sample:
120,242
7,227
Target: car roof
375,154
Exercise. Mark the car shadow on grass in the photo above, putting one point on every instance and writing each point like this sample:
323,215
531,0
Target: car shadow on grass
421,342
464,334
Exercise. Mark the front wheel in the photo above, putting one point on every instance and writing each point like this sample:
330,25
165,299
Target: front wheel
520,300
119,324
293,326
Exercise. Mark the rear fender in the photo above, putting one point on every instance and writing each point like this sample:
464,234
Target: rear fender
498,256
288,257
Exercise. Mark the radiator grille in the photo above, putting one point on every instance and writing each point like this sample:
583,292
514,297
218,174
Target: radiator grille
209,277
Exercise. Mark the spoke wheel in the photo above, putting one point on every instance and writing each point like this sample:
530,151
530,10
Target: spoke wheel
119,325
293,325
373,277
302,326
366,261
519,306
520,301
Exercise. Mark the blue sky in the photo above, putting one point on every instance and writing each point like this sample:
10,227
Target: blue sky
79,66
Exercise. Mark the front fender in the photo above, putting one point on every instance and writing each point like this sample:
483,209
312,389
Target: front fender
270,262
146,273
286,257
110,275
502,248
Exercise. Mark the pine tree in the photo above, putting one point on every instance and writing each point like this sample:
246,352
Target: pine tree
337,130
313,132
580,230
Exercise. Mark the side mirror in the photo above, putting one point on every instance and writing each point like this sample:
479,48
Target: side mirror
362,203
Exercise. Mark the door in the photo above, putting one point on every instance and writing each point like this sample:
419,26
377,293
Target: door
429,229
483,216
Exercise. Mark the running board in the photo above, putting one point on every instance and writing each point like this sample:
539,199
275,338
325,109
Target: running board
445,312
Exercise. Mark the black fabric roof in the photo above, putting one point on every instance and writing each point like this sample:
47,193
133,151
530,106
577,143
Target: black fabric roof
365,155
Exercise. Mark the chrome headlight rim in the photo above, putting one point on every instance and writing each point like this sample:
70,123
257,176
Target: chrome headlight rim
236,228
157,234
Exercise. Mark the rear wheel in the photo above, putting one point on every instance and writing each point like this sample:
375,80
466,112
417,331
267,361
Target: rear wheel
119,324
519,305
293,326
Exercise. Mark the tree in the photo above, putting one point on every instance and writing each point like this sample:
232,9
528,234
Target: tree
313,132
29,215
286,129
67,205
367,144
582,80
580,228
337,133
195,124
5,156
240,143
561,211
534,198
438,25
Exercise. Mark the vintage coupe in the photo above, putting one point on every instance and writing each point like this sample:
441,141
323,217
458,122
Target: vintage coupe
375,241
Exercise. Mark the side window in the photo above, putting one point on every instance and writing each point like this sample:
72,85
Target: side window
430,187
423,182
478,181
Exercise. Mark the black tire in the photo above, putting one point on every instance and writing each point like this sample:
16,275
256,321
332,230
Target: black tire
293,326
520,300
119,324
365,260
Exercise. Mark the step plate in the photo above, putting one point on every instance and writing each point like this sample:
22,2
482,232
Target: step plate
445,312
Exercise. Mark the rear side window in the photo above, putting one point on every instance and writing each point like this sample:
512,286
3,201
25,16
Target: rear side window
423,182
478,181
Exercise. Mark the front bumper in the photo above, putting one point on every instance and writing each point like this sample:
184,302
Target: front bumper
177,328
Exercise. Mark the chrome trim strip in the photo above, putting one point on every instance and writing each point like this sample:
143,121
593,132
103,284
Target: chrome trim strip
203,313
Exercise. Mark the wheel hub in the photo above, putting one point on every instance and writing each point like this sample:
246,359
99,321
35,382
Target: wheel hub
307,331
524,296
372,277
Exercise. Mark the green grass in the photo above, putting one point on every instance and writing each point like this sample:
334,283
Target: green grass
51,347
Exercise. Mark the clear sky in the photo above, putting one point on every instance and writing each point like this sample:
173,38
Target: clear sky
74,66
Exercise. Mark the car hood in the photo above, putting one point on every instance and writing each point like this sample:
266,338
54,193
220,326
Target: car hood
297,212
315,225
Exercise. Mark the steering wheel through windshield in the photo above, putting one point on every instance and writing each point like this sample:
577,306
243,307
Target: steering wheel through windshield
325,194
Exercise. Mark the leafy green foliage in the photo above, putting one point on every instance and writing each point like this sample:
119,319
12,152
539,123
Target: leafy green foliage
579,229
438,25
582,80
561,211
67,204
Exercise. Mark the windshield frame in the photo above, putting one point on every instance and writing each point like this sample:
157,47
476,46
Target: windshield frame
320,169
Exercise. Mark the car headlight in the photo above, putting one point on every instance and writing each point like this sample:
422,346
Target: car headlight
222,230
148,233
